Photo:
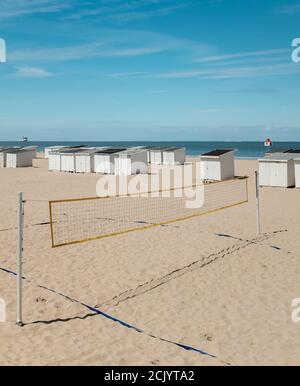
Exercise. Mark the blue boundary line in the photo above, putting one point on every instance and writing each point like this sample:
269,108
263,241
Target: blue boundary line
116,320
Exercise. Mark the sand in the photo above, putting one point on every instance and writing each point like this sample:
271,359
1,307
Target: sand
234,302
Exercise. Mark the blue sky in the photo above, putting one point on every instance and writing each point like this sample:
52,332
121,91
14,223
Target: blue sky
149,70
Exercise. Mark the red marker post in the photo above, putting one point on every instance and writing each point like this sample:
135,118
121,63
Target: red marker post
268,143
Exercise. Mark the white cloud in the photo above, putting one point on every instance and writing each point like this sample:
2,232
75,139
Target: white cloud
112,43
131,10
255,71
240,72
214,110
32,72
128,74
84,51
113,10
232,72
15,8
249,54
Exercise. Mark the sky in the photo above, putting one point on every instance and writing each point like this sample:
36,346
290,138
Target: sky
149,70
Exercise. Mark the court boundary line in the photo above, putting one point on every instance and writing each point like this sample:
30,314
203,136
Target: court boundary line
116,320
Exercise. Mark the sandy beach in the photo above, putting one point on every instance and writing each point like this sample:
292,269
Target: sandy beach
180,286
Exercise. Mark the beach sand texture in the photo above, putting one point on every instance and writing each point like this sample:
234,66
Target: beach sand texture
228,296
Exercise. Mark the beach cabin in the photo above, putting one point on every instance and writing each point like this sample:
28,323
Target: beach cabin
3,152
66,154
2,157
297,172
149,149
156,155
58,148
20,158
33,149
104,161
166,155
54,161
84,161
52,149
131,161
217,165
277,170
173,156
68,159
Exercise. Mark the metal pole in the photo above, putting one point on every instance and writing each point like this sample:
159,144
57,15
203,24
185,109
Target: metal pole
19,259
257,203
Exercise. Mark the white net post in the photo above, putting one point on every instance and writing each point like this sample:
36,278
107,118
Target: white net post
257,202
19,319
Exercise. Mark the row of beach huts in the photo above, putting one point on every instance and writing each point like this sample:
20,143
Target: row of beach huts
217,165
111,160
276,169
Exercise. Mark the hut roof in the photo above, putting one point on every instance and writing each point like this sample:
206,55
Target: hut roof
110,151
278,157
217,152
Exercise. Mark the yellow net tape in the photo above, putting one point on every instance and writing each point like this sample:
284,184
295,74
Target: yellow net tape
84,219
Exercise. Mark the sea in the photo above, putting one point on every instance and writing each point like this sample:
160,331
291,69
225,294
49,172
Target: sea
244,150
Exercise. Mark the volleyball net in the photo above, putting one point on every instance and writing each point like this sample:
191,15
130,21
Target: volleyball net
84,219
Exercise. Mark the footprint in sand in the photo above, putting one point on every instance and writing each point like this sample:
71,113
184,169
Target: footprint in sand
208,337
41,300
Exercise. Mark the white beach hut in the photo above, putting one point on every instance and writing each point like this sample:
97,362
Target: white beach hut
52,149
297,172
173,156
277,170
33,149
68,159
156,155
54,158
217,165
57,148
131,161
63,159
2,158
104,161
149,149
3,152
85,159
21,157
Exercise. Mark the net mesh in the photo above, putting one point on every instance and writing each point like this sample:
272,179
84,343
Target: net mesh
84,219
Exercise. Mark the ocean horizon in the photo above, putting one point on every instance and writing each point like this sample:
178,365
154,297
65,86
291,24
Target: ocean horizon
244,149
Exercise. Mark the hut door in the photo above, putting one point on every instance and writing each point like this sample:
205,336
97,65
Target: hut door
276,175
